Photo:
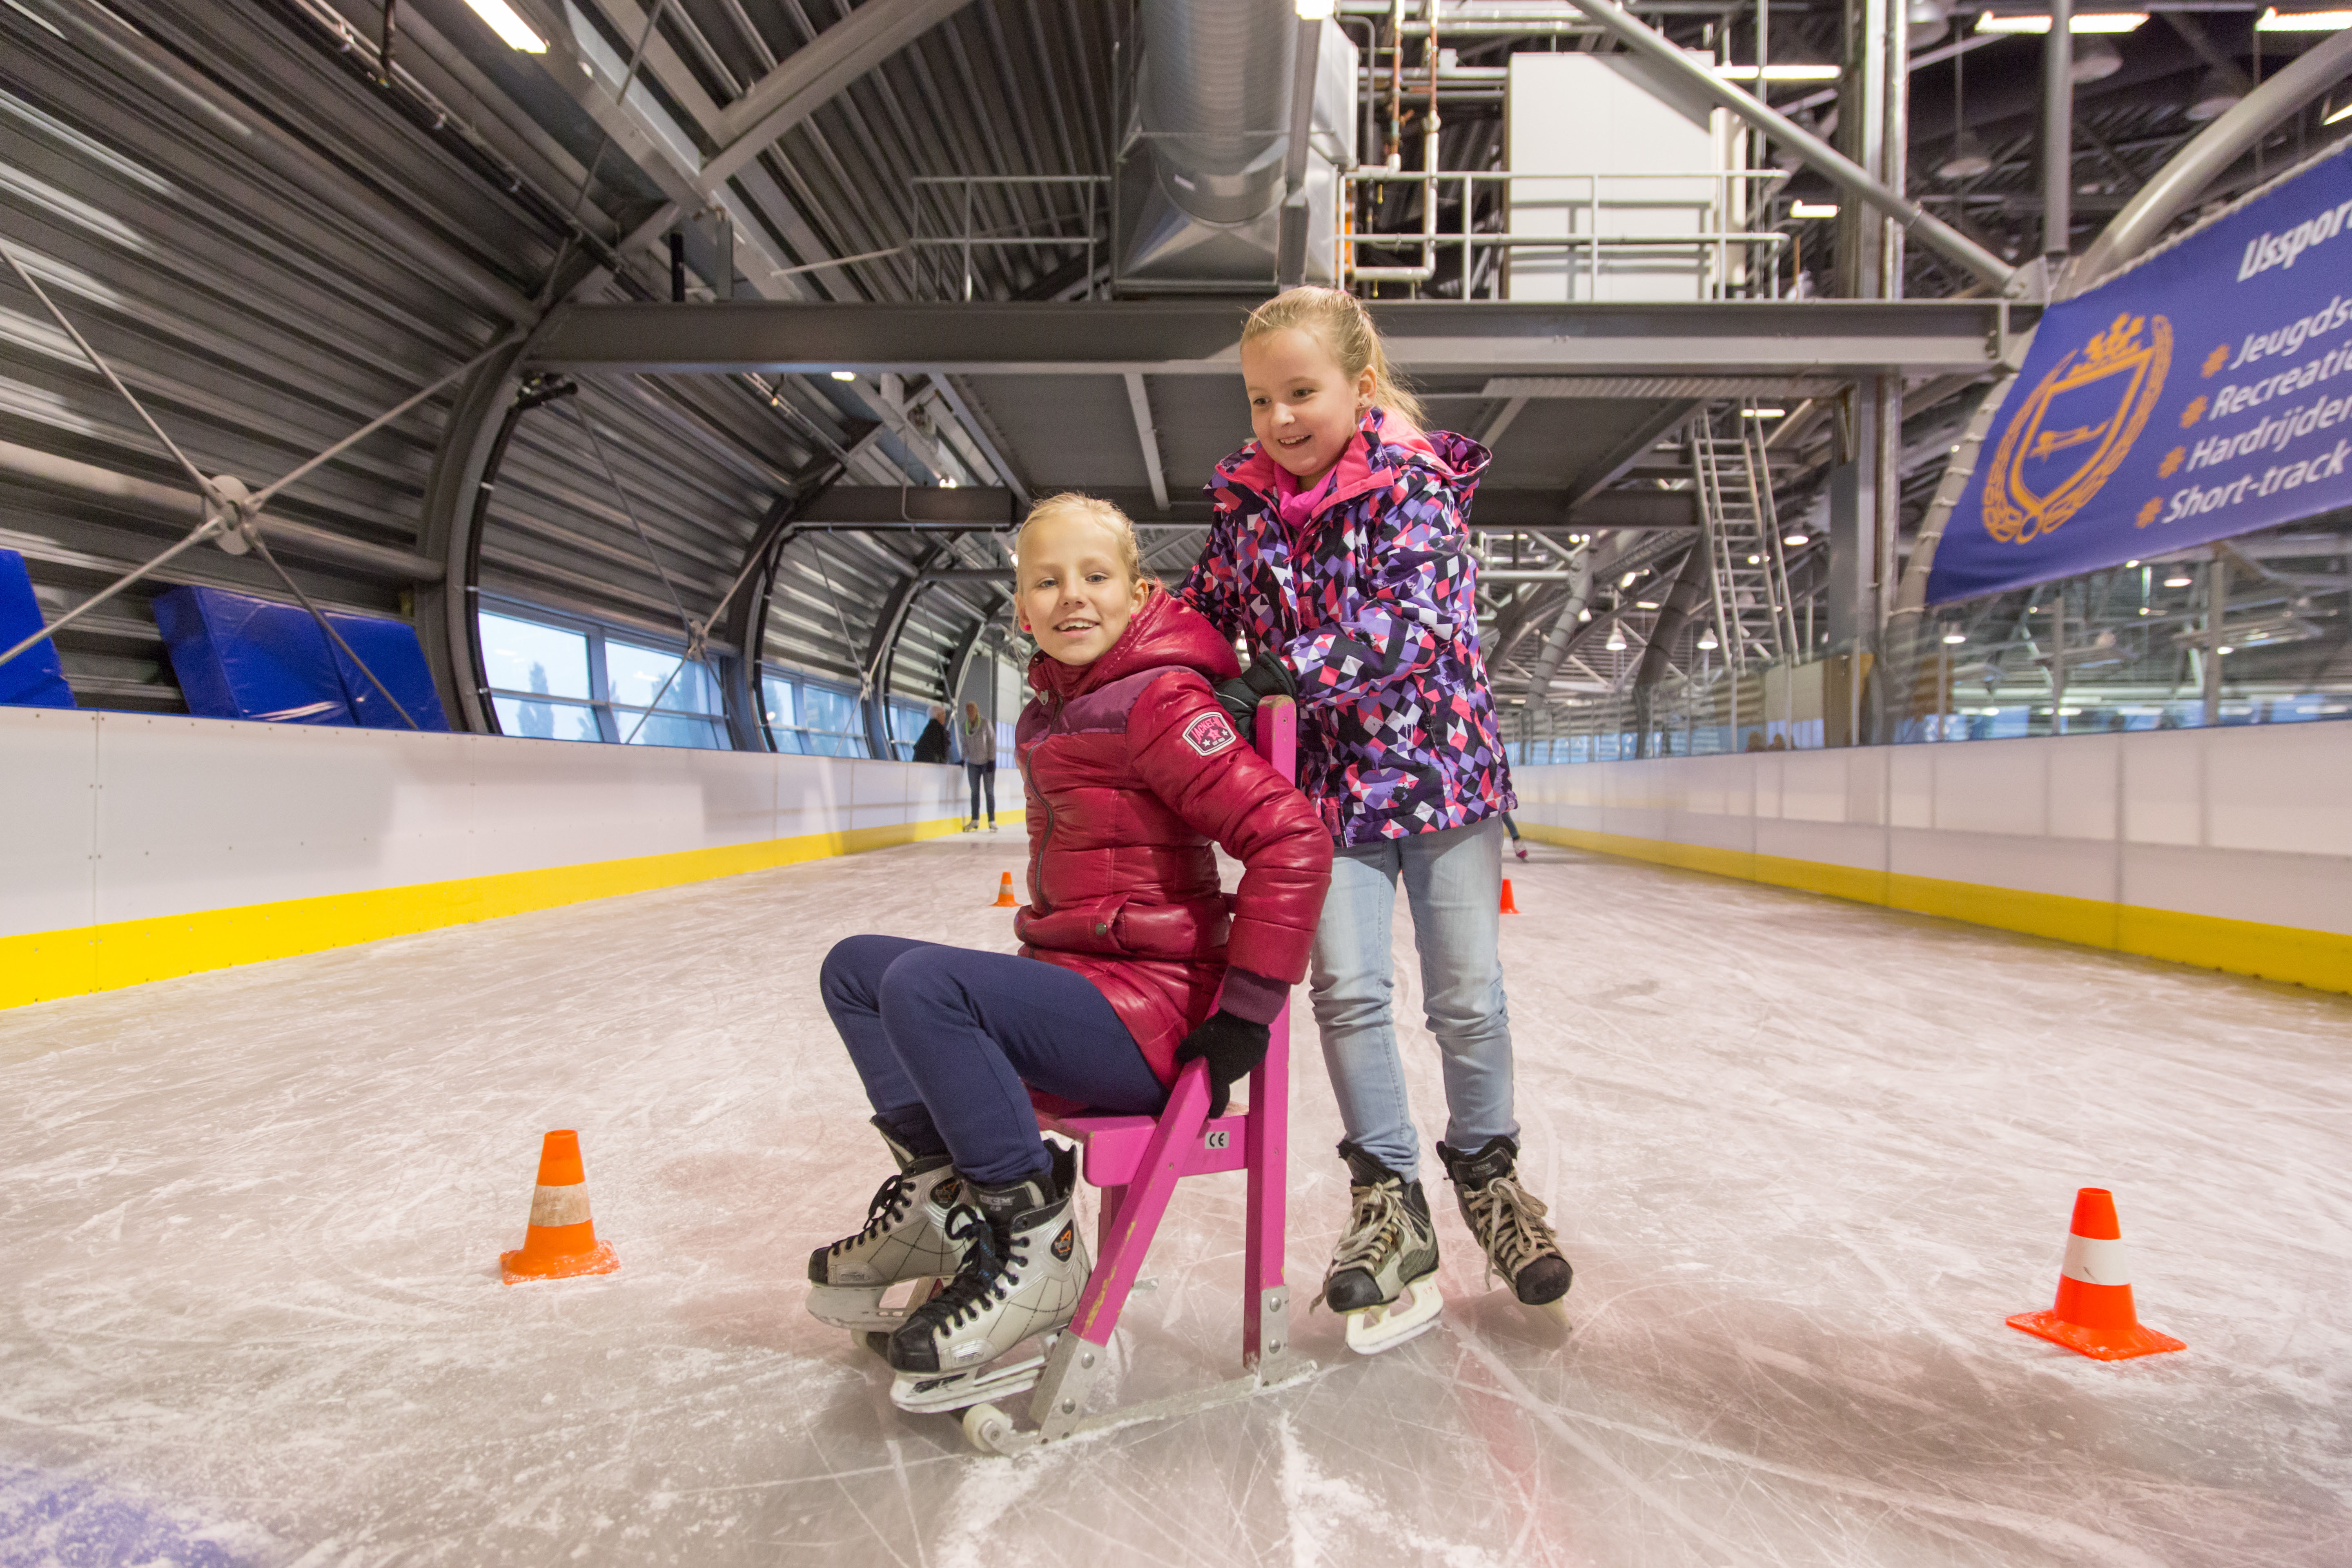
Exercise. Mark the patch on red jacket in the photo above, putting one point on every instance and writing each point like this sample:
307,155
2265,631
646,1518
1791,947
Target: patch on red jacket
1209,734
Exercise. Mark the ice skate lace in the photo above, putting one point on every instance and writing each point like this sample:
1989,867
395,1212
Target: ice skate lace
889,1204
984,1275
1375,1230
1510,1222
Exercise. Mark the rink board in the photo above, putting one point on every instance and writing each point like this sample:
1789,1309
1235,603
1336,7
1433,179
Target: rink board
138,847
2228,848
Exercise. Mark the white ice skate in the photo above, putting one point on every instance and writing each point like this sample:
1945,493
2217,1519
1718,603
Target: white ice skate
1383,1276
1020,1283
903,1244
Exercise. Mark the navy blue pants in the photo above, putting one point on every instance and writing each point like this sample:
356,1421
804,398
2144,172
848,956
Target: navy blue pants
946,1038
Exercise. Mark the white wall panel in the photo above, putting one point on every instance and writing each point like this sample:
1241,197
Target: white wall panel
48,816
185,815
2246,823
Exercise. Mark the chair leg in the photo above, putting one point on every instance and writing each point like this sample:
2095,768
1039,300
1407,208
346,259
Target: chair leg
1107,1200
1265,1303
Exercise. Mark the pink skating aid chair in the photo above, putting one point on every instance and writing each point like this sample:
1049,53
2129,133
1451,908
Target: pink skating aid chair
1136,1161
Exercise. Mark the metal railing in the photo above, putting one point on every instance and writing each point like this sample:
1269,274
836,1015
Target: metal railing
1714,246
961,239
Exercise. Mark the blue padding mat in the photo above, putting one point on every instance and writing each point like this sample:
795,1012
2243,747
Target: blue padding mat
238,657
33,679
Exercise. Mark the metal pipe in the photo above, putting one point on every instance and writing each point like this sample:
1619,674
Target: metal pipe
2179,183
2058,133
1933,232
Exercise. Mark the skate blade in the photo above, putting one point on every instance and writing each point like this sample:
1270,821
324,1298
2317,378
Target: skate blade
926,1393
859,1307
1373,1329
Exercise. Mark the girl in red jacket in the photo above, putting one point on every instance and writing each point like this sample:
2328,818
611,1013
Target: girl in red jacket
1132,963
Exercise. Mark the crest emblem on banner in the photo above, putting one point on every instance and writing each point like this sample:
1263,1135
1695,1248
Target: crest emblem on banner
2068,438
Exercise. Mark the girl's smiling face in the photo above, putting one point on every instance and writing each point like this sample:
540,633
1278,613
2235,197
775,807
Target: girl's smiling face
1075,593
1304,406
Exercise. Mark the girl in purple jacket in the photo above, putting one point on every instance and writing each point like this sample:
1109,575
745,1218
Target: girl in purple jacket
1338,550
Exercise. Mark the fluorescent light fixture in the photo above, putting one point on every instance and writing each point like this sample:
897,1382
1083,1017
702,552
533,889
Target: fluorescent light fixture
1779,73
1813,209
845,376
1627,579
1956,637
2225,648
1646,604
1794,538
2097,22
2277,21
1312,10
2129,564
2179,580
1768,413
2341,114
511,30
1756,561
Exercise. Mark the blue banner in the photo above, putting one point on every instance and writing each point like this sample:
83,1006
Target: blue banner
2204,394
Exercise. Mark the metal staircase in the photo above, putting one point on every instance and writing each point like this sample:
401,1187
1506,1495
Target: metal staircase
1750,577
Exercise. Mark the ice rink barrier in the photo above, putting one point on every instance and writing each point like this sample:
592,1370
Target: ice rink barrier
2230,848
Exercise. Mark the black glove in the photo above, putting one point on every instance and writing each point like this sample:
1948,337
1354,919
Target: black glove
1232,1046
1267,677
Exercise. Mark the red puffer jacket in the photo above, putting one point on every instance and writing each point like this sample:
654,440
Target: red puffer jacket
1131,770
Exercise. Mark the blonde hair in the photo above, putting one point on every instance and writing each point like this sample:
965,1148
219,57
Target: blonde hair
1339,322
1122,528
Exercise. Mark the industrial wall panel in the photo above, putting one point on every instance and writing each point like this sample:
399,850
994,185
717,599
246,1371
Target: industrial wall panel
2308,893
2278,787
2068,867
48,816
1912,784
1990,787
2080,786
2163,790
1814,786
1831,843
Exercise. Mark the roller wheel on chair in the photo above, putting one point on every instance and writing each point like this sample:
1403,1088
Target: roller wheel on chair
982,1425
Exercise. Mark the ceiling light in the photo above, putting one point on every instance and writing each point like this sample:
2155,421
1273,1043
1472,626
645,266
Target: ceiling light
2179,580
1312,10
1756,561
2098,22
1968,161
2214,97
1779,73
1646,604
2129,564
1627,579
845,376
1925,20
2277,21
2343,113
1768,413
511,30
1617,640
1956,637
1794,538
2225,648
948,483
1706,641
2145,611
1584,614
2095,60
1813,209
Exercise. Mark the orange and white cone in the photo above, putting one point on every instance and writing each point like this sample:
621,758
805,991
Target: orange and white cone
2095,1313
562,1241
1509,908
1004,899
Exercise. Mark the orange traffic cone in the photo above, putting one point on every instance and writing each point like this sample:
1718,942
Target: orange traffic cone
2095,1313
1508,906
1004,899
561,1240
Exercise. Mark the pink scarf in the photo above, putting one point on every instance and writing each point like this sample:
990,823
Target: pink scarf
1296,504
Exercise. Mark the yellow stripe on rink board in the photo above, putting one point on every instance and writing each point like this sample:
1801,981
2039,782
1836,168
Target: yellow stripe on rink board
2321,960
44,965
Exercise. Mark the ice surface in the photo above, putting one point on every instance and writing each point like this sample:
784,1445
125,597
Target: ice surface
1806,1155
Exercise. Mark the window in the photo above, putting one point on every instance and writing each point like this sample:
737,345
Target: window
556,679
806,717
907,722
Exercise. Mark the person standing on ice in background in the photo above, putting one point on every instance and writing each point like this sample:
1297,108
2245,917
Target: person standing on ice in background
1337,550
980,764
932,745
1132,964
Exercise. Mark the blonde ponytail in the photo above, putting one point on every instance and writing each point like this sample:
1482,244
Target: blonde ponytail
1339,322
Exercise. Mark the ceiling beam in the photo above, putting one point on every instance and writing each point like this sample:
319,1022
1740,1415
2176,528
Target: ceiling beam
1829,337
813,75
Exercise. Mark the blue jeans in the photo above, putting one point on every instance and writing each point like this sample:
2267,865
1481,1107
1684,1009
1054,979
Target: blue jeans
946,1038
1454,884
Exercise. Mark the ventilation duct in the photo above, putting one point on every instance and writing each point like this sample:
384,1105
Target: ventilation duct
1201,178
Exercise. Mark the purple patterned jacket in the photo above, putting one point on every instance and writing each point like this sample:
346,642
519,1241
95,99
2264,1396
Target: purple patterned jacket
1373,602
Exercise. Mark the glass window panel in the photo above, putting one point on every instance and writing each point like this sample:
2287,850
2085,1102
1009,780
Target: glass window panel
668,730
833,710
779,708
546,721
523,656
636,676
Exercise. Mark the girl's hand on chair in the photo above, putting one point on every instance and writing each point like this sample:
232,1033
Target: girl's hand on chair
1232,1046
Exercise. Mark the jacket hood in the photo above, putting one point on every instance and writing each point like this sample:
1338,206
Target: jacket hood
1164,632
1383,445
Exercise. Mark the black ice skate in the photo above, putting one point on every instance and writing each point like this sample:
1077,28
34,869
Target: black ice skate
903,1242
1509,1223
1020,1283
1384,1275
